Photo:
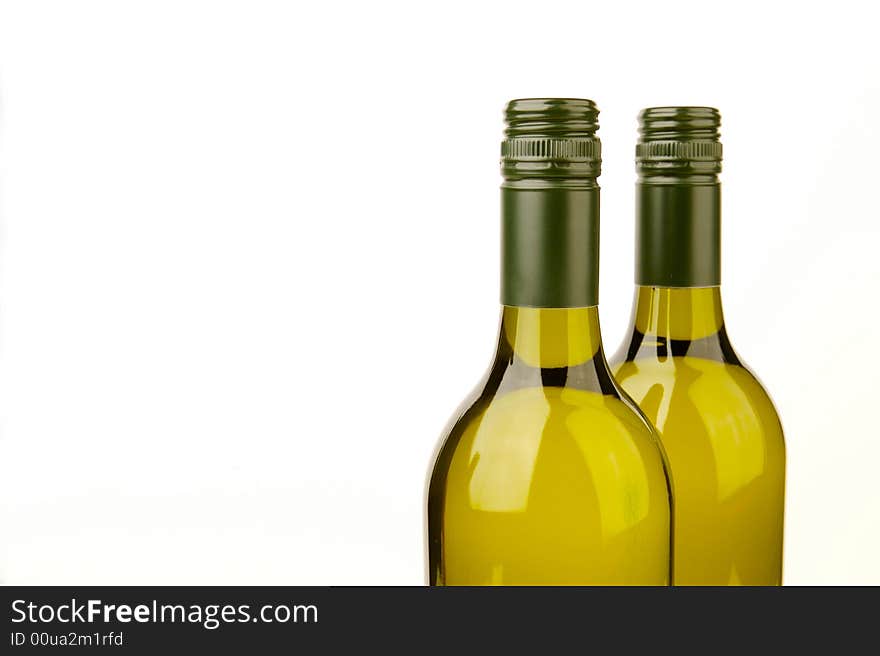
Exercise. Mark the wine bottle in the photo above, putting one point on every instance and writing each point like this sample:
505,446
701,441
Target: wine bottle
719,429
548,474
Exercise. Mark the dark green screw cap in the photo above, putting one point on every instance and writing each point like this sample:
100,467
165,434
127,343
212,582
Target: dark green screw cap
551,138
677,141
550,159
678,197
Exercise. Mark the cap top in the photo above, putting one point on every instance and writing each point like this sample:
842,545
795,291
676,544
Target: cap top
679,141
551,138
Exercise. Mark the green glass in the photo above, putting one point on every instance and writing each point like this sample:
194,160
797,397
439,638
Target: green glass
548,474
719,429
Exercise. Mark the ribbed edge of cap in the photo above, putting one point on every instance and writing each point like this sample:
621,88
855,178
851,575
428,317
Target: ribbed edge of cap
551,138
698,151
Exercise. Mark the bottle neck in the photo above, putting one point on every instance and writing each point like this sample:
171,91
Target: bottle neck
678,313
550,243
678,231
551,338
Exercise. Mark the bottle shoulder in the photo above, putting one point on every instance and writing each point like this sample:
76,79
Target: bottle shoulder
569,411
516,429
716,391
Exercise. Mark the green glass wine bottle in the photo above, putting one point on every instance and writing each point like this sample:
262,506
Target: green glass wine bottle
719,429
548,474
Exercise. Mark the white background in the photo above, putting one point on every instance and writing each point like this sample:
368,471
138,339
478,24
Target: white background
249,264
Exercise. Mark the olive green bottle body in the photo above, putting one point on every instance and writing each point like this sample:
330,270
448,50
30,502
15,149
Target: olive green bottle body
720,432
548,474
